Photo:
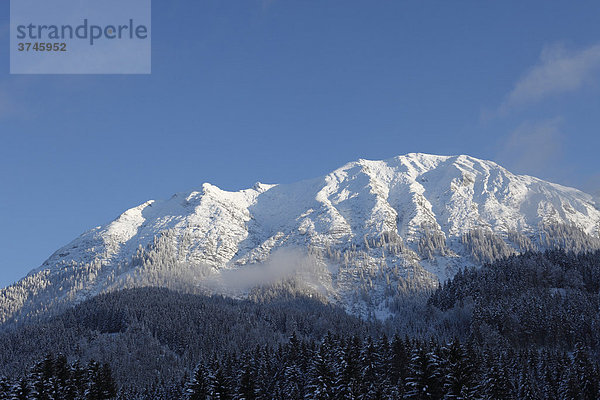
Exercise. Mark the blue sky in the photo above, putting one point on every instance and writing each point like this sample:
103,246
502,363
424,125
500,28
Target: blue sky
278,91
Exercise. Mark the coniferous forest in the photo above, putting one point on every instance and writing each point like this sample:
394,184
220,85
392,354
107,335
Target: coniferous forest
523,327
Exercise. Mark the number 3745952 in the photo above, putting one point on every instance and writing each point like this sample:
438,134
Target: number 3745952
42,46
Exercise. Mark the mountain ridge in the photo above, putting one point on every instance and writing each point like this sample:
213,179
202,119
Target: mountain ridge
368,230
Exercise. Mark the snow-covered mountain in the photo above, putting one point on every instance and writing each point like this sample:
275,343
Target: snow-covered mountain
360,235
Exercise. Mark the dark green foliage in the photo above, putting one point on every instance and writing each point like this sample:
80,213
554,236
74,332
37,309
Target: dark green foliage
200,387
424,378
322,376
586,373
54,379
460,381
346,368
349,372
167,332
247,378
5,388
542,299
496,384
21,390
340,367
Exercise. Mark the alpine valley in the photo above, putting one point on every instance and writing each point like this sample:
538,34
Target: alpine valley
361,237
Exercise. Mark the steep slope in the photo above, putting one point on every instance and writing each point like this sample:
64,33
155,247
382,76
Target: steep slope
361,235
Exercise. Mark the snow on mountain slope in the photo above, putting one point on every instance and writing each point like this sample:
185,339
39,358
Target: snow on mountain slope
371,229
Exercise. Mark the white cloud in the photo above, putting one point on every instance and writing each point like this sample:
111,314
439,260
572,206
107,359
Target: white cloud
558,71
282,264
533,147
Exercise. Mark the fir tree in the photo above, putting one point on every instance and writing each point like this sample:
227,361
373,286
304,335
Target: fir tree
526,388
371,369
247,379
497,384
399,361
5,388
62,375
422,382
568,389
78,381
42,374
92,391
348,378
459,379
108,387
21,390
587,376
221,386
322,384
200,387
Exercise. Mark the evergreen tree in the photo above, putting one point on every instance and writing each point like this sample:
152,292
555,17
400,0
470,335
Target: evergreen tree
42,374
200,387
78,382
108,387
221,385
526,388
322,385
423,380
247,379
550,370
497,384
94,386
348,377
370,371
21,390
399,362
459,379
587,376
293,377
62,375
5,388
101,385
568,389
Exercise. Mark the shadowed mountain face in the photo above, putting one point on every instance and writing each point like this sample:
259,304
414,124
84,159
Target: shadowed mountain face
359,236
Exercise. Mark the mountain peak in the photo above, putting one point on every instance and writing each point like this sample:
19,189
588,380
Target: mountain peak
415,218
262,187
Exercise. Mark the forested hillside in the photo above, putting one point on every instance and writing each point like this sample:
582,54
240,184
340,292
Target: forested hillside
524,327
151,334
543,299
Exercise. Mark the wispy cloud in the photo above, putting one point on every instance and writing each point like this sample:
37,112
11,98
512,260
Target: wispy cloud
533,147
282,264
558,71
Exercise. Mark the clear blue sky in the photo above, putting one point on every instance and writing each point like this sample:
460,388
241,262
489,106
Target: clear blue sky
278,91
